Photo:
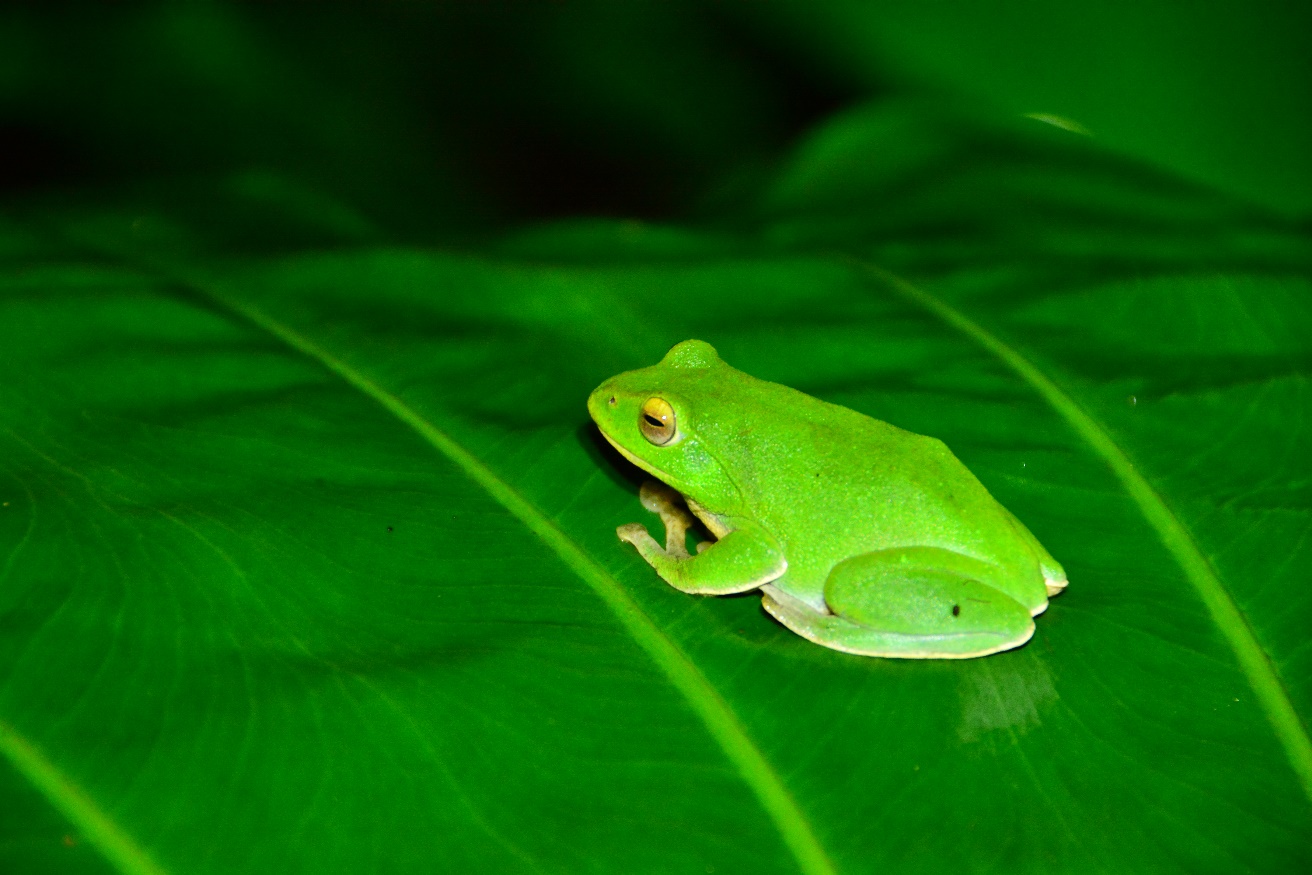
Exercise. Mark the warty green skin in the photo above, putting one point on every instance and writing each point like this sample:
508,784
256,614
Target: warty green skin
820,484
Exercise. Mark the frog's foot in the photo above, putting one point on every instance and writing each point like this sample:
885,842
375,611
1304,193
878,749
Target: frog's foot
1054,580
903,603
661,499
741,560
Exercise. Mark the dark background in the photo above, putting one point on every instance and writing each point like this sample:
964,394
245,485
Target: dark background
458,117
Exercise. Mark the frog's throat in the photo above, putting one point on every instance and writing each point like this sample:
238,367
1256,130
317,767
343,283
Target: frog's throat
715,523
644,465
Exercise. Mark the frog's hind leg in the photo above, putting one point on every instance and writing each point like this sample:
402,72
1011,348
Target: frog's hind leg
1054,576
913,603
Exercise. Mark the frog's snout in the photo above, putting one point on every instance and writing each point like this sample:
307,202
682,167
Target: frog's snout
602,399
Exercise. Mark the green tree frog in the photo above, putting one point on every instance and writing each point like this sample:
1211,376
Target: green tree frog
860,536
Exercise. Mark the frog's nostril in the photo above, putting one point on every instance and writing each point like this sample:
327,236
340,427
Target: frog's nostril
612,401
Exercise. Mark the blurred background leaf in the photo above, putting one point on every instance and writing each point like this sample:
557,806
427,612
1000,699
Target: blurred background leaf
307,554
1216,91
448,116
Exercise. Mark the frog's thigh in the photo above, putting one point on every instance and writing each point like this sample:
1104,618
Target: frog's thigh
1054,576
917,603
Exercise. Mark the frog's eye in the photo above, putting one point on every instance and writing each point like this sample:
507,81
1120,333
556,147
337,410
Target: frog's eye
657,422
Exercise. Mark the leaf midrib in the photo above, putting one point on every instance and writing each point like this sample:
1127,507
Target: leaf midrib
93,825
1256,665
715,713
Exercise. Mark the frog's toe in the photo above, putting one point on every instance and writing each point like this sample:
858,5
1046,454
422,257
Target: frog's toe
637,535
1054,576
659,498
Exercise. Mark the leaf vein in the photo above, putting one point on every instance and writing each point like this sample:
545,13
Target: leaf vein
81,810
716,715
1255,663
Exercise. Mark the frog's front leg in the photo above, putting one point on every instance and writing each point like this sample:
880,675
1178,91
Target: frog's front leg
740,561
913,602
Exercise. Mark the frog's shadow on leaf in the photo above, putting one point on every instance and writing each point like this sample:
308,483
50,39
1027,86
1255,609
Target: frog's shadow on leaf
620,470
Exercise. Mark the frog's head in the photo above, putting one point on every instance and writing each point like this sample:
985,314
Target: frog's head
652,415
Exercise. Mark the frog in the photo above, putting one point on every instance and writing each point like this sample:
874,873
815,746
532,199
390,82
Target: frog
860,536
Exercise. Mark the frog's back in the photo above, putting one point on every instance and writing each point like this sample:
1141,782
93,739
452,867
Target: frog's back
858,485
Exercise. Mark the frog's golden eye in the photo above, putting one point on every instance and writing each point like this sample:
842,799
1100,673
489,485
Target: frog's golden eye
657,422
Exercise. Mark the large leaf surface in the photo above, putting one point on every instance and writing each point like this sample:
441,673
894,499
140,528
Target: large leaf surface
309,559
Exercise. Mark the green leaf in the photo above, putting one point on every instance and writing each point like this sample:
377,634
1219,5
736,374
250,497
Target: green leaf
307,551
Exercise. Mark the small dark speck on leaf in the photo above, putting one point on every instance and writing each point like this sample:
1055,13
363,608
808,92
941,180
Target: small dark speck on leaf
389,528
956,610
